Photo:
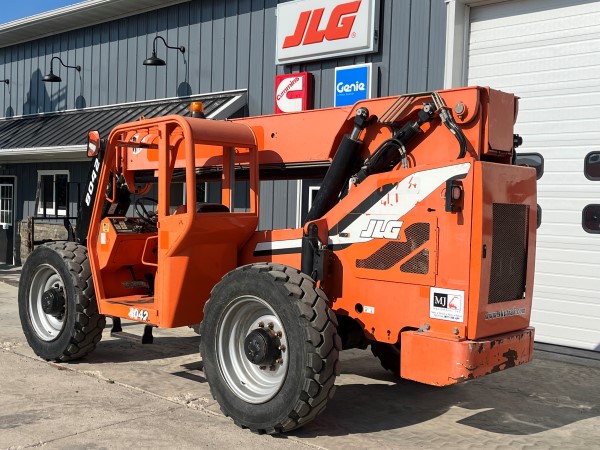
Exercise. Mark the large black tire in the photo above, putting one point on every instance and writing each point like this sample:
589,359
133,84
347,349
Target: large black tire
74,331
278,299
389,356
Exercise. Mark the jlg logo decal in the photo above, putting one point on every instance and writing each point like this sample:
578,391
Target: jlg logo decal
339,25
382,229
308,30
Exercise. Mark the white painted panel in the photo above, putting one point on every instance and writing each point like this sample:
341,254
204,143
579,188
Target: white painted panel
548,53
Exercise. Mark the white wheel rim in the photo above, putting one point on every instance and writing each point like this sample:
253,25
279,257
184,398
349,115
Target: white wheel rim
46,326
246,380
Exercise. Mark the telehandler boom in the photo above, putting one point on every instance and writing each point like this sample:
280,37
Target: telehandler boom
420,242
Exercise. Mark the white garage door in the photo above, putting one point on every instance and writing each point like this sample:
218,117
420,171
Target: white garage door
548,53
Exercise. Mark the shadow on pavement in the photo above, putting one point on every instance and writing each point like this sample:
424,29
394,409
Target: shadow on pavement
126,347
526,400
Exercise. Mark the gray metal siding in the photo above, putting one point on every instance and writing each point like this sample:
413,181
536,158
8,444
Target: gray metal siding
230,44
277,204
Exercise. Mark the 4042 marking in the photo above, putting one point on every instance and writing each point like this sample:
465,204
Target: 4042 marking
138,314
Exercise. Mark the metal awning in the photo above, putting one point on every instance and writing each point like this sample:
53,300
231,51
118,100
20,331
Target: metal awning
63,135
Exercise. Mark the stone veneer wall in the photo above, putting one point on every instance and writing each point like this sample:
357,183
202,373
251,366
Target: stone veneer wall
43,231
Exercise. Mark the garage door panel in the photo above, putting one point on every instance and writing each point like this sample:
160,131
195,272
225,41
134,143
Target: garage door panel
571,216
553,279
532,11
561,140
550,58
582,191
571,116
566,92
553,298
576,319
557,229
559,241
586,126
555,178
548,53
528,79
564,335
538,101
586,269
526,36
567,255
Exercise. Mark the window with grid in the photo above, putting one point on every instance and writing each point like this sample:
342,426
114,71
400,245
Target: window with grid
53,192
6,204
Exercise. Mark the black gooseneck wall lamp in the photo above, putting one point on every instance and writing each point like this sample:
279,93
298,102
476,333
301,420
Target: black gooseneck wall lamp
5,81
51,78
155,60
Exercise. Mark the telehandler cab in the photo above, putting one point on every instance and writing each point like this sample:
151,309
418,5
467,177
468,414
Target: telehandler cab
420,243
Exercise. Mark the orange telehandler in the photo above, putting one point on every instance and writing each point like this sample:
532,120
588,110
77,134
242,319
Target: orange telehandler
420,242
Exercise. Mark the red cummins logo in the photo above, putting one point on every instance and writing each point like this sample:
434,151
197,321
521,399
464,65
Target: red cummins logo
339,26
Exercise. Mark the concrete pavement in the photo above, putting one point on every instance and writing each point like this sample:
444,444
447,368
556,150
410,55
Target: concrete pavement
126,394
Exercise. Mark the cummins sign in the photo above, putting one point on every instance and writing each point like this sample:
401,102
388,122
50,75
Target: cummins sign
313,29
293,92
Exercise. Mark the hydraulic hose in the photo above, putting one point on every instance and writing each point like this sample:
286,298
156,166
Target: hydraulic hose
449,122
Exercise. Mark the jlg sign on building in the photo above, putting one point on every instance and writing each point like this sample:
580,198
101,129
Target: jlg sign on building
313,29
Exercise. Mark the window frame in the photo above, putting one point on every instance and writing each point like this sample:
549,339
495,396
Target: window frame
586,229
7,212
52,211
312,190
585,165
518,155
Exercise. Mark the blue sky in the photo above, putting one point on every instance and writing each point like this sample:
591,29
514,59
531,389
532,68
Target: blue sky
17,9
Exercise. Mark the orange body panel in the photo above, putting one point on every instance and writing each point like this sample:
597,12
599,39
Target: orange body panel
396,260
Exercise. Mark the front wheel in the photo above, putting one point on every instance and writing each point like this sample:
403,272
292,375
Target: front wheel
270,347
57,304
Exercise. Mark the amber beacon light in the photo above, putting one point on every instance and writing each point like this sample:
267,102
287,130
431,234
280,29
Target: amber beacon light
197,110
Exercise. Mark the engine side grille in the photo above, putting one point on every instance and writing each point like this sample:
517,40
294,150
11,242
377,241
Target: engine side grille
418,263
509,252
393,252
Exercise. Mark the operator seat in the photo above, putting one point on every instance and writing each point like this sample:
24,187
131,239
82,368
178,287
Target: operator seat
211,207
203,207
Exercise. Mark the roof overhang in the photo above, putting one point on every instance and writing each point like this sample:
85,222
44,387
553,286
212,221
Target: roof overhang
29,155
79,15
221,105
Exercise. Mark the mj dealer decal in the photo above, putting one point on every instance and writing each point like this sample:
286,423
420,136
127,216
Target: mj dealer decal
447,304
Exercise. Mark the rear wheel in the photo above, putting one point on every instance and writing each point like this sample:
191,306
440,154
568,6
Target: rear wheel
388,354
270,347
57,304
